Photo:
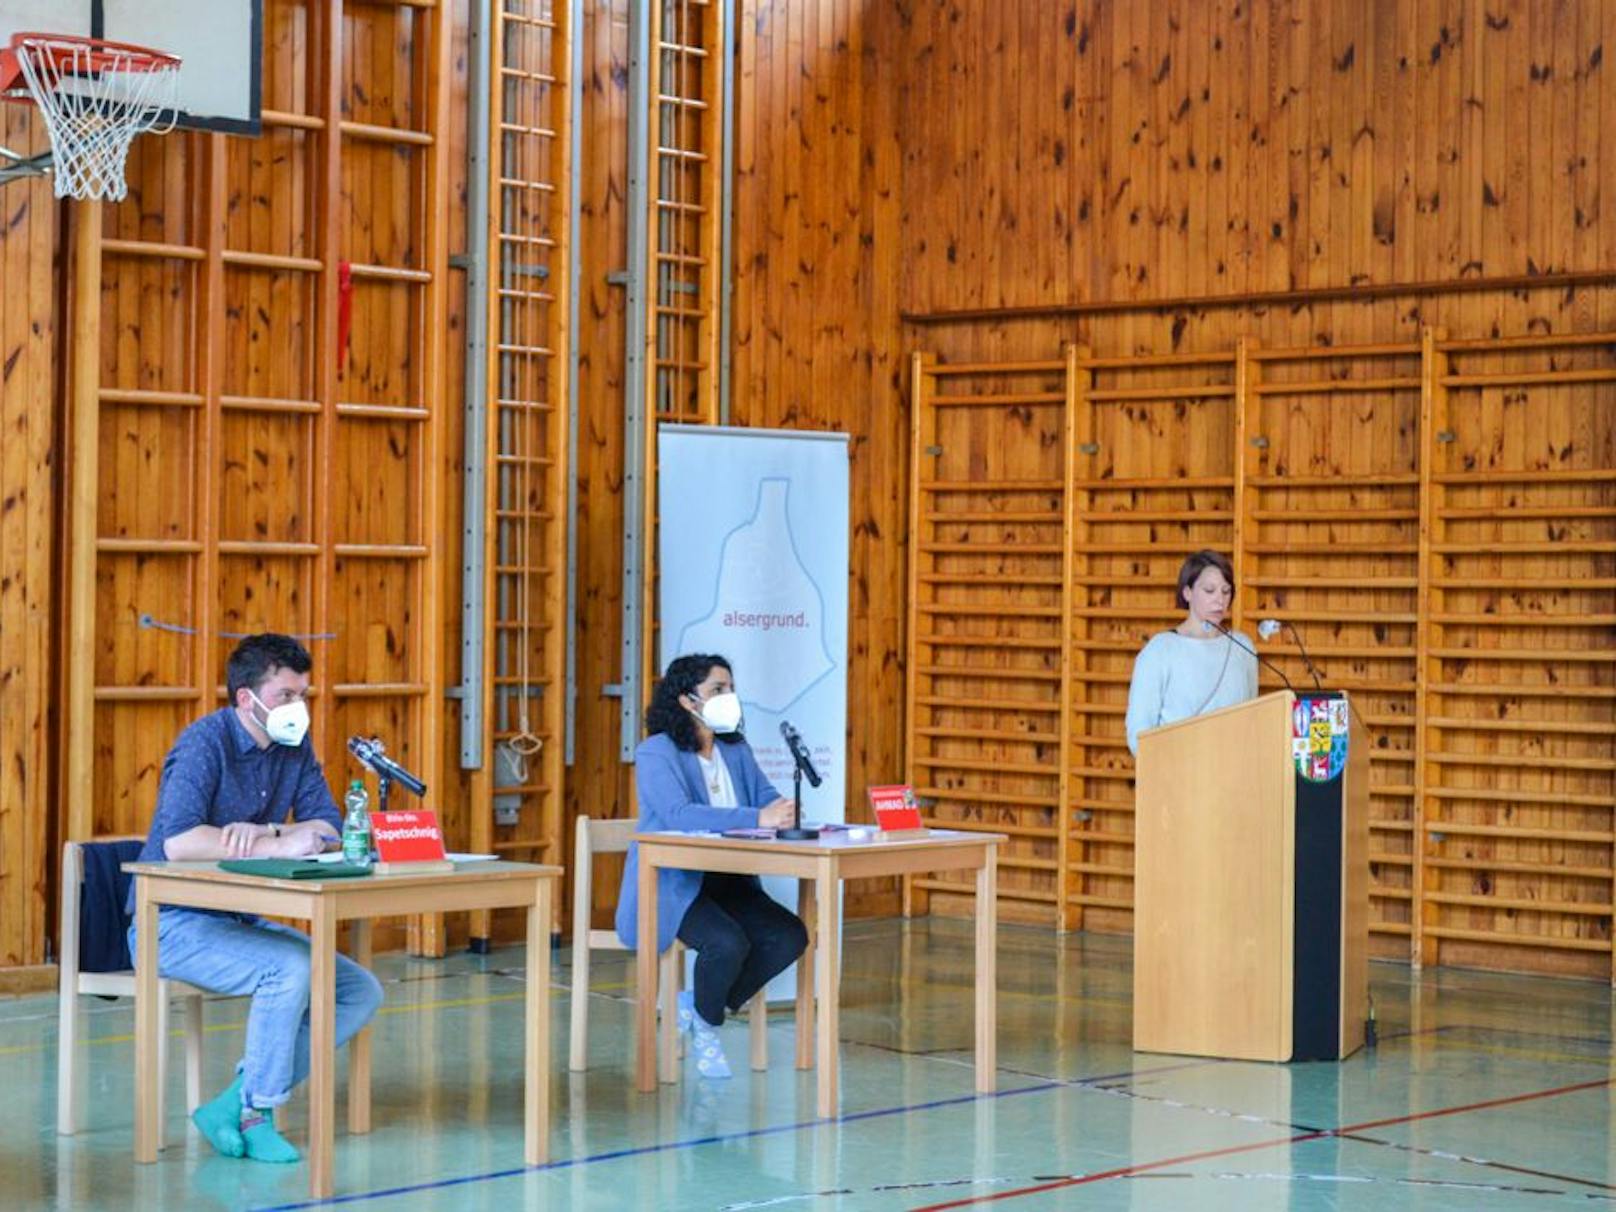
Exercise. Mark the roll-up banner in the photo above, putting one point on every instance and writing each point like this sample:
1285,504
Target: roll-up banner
753,565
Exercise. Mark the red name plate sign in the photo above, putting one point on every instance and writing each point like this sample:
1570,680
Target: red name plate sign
895,809
407,837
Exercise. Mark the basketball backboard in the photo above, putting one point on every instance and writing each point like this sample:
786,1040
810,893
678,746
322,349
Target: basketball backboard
219,42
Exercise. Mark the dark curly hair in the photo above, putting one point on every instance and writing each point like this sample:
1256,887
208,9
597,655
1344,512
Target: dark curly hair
667,714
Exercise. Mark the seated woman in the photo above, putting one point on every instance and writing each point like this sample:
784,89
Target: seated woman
1197,666
695,771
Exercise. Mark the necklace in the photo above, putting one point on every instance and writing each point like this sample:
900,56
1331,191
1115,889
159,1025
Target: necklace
710,772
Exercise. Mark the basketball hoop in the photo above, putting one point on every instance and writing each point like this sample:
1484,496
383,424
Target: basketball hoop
96,96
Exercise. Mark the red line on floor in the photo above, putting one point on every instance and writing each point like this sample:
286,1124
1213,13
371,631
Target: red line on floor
1595,1084
1145,1167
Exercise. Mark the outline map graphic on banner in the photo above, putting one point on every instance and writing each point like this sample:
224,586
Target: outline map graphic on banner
755,590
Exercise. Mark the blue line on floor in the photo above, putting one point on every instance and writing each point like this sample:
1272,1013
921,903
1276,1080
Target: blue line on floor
618,1154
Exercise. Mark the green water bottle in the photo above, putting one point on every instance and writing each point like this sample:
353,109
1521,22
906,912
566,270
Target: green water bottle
356,826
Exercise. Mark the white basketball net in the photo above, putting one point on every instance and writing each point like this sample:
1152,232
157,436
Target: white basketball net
96,97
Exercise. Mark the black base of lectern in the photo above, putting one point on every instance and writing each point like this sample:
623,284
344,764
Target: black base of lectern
1316,956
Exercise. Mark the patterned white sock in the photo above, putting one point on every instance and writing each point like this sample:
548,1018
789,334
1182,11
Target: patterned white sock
685,1019
709,1050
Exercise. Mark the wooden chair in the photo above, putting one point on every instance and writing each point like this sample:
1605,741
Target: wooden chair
76,982
613,837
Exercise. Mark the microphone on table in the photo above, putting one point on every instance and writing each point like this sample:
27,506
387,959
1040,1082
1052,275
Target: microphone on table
804,769
372,754
1269,628
1240,643
799,752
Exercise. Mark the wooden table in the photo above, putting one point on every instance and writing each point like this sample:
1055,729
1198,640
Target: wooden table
324,903
818,866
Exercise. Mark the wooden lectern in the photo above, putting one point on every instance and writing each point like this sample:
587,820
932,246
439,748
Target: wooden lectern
1251,882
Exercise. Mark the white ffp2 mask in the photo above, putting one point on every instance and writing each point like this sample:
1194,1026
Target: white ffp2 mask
722,712
287,724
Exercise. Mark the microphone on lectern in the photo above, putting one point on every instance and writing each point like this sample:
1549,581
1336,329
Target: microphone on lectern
1269,628
1240,643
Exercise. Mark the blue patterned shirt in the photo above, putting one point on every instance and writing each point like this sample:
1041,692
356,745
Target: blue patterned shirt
216,775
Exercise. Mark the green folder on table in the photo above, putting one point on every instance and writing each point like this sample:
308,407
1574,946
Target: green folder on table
292,869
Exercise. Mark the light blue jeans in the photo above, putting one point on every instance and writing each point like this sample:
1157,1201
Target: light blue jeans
240,954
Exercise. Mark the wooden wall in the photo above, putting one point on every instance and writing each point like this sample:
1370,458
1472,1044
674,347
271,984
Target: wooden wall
1450,573
256,472
1363,169
816,340
598,783
29,450
238,476
1167,178
524,527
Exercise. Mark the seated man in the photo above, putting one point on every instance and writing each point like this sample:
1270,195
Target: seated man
227,786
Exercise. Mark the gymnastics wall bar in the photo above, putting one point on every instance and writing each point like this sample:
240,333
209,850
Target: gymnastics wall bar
1437,517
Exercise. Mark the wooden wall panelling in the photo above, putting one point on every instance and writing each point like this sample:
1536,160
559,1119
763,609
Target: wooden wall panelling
1249,444
1520,798
82,451
1070,758
393,161
687,98
1433,422
1389,144
294,494
527,453
989,633
685,223
820,242
457,796
263,479
155,363
30,410
212,152
598,782
1332,551
1487,680
922,582
326,86
566,123
435,70
1160,484
1084,858
1247,147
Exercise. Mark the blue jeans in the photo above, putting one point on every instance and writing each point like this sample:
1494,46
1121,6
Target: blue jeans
241,954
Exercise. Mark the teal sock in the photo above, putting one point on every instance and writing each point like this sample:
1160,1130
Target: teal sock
219,1120
263,1143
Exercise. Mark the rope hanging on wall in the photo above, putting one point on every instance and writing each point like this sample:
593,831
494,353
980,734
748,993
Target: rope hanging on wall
151,623
518,382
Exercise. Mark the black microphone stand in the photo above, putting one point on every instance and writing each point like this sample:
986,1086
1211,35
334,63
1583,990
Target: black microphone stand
1318,683
1230,635
383,786
796,833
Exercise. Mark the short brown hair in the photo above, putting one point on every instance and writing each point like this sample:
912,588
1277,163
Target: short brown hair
257,657
1196,565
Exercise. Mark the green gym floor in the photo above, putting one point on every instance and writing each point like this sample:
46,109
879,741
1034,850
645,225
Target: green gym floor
1485,1092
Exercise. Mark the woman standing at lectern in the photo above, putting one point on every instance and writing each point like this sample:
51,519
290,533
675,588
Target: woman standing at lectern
696,772
1199,665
